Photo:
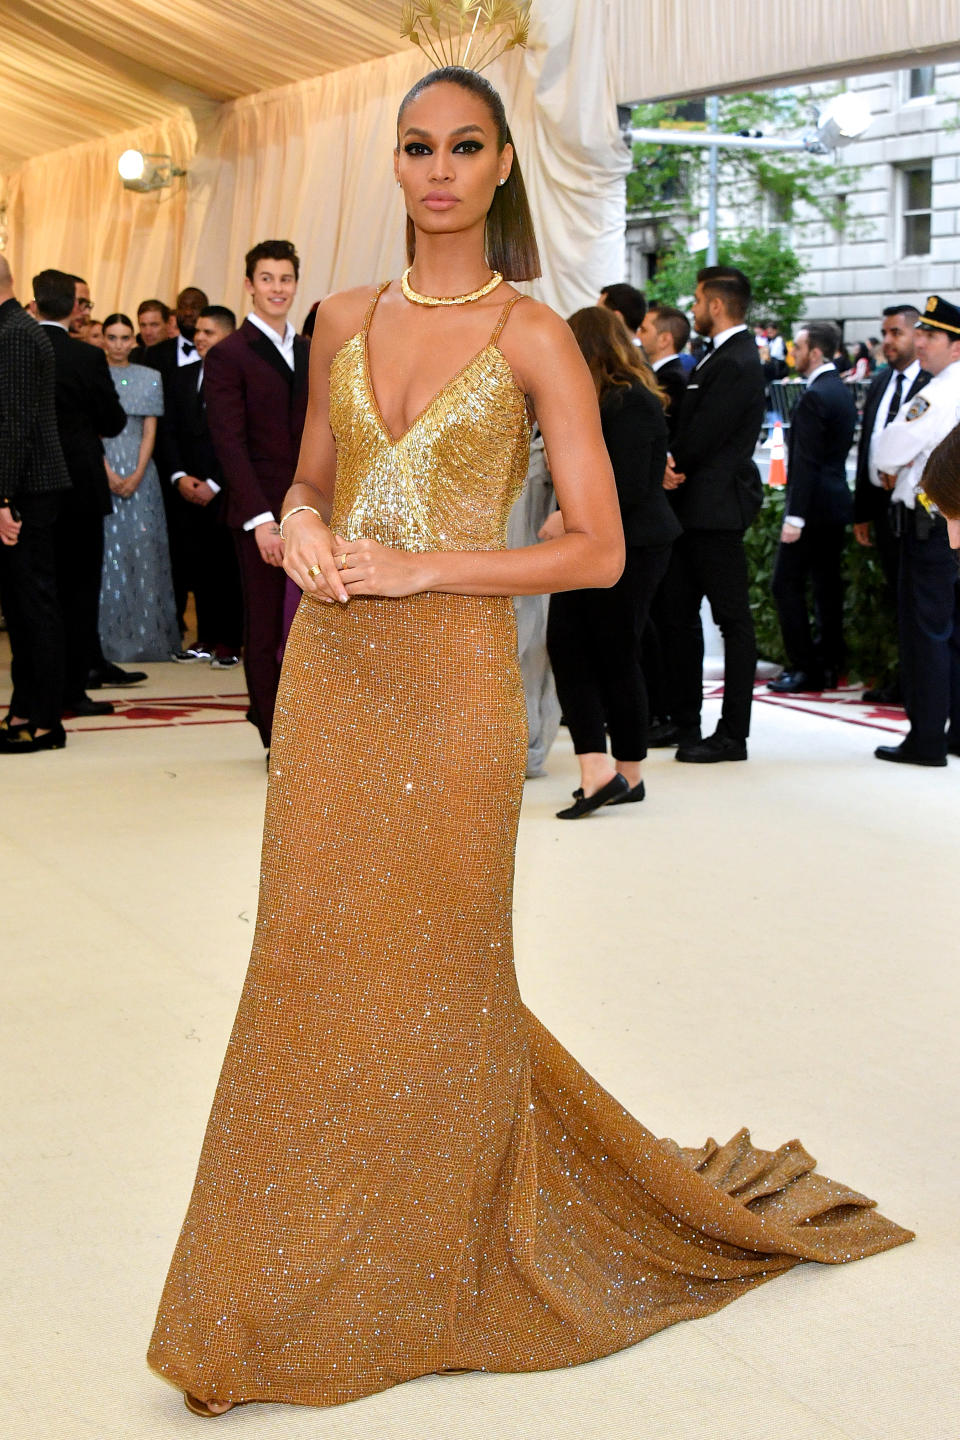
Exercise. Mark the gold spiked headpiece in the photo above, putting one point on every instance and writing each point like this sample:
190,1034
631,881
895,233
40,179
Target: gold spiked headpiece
471,33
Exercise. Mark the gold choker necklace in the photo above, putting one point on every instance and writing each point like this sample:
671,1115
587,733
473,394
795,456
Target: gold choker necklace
414,295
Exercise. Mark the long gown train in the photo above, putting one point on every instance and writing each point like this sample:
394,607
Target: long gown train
404,1171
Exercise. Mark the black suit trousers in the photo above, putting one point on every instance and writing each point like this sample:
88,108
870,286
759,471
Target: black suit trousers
594,643
815,559
79,545
929,611
28,592
709,563
264,588
208,560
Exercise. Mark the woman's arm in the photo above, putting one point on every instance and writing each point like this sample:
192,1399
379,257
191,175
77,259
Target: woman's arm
589,554
307,538
147,441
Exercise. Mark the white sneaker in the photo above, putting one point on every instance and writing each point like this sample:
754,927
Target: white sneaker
191,654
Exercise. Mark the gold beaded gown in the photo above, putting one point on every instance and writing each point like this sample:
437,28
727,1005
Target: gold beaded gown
404,1172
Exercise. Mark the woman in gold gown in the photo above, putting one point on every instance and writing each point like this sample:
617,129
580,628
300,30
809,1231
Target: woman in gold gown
404,1172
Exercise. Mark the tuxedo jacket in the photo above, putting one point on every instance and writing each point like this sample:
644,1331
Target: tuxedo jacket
869,498
31,460
162,357
719,422
184,440
256,407
635,431
821,433
672,378
87,407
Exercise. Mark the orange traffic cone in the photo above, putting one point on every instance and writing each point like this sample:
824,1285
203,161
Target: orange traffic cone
777,474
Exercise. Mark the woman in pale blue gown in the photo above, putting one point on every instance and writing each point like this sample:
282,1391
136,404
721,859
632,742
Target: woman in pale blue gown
138,615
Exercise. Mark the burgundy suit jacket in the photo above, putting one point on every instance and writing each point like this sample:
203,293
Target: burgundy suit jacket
256,406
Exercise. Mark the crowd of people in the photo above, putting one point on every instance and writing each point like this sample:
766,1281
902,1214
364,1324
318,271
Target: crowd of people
144,461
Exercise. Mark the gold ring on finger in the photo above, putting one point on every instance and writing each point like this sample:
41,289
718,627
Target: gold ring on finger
314,570
343,560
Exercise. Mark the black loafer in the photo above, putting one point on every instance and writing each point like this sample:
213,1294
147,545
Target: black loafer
584,804
905,755
714,748
83,705
631,797
112,675
22,741
796,682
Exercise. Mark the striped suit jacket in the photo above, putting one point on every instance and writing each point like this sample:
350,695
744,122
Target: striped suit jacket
31,460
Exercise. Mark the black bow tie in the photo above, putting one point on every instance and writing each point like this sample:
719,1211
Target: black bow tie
188,345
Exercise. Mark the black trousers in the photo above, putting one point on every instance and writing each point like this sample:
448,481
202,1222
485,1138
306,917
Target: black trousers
815,559
28,592
653,661
709,563
264,588
929,637
594,642
79,547
209,568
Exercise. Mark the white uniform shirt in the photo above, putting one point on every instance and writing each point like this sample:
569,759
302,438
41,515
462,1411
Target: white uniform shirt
880,419
904,447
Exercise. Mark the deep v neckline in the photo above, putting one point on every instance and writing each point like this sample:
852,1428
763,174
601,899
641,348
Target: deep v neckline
421,414
388,435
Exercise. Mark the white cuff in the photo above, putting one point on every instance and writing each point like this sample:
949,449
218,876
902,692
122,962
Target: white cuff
214,486
794,520
177,475
265,519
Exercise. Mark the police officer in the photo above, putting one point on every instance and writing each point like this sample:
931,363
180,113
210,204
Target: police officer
929,598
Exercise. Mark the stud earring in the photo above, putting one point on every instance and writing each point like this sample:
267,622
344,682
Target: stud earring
503,181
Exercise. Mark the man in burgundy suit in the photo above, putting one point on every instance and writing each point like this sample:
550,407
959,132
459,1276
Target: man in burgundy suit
256,392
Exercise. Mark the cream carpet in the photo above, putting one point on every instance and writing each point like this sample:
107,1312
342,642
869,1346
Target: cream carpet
771,944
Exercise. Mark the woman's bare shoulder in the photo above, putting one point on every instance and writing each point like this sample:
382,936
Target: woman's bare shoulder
341,314
537,337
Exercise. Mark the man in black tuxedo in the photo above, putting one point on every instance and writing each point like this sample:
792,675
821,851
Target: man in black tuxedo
33,477
818,510
153,317
194,475
890,389
168,356
87,408
663,334
256,389
716,493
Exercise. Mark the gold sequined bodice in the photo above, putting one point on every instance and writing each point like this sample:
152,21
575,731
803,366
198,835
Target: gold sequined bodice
449,480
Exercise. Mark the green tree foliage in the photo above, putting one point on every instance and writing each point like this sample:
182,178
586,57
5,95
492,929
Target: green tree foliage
774,269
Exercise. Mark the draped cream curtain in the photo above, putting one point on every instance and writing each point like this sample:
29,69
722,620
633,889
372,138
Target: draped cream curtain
312,162
68,210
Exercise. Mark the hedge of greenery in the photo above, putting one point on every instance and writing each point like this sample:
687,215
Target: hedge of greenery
869,621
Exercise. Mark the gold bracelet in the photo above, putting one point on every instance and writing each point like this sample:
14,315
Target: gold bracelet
296,509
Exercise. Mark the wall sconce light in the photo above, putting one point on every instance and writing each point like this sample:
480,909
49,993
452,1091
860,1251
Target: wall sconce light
144,172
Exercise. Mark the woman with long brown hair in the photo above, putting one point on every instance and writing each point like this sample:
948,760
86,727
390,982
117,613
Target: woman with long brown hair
594,636
404,1171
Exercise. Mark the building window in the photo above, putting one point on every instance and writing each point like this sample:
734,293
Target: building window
920,82
917,203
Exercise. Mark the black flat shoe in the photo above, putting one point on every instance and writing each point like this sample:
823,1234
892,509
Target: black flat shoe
662,735
22,741
797,682
905,755
83,705
113,675
632,796
584,804
714,748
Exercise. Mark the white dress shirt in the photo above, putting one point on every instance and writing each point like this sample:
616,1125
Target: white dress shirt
185,356
797,521
284,344
721,338
904,446
883,410
179,474
664,360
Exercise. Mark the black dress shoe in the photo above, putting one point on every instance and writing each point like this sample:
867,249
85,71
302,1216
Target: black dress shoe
22,741
714,748
112,675
584,804
631,797
905,755
796,682
662,735
83,705
883,695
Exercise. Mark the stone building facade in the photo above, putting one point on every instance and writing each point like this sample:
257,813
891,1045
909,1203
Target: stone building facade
894,231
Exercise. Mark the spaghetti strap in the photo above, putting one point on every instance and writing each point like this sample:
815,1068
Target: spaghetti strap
504,317
372,306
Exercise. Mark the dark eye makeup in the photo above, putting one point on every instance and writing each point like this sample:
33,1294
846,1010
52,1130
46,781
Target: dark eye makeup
462,147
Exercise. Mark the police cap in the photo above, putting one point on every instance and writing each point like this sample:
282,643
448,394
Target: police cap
939,314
